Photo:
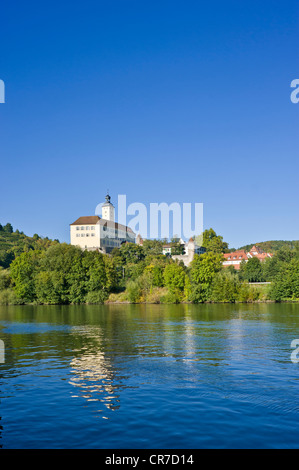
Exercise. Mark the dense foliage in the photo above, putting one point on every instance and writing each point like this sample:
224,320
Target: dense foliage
47,272
62,274
271,246
12,244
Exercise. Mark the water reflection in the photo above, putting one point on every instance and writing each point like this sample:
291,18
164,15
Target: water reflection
93,374
1,429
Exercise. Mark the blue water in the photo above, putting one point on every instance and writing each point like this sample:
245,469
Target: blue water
149,376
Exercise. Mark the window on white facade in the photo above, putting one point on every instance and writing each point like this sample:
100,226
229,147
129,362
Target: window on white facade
87,228
93,234
82,228
77,228
92,228
82,234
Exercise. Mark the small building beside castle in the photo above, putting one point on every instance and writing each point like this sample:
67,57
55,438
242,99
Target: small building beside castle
103,234
188,249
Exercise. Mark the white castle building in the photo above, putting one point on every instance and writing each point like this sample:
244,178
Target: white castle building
96,233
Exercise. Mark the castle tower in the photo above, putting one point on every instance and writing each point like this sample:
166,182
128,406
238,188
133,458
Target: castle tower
108,209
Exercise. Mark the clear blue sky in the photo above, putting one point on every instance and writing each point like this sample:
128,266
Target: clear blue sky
185,101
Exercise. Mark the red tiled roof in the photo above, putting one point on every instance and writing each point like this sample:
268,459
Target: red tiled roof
87,220
241,254
263,256
235,255
257,249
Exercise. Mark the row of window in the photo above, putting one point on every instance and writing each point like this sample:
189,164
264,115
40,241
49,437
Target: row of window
85,235
108,242
85,228
115,232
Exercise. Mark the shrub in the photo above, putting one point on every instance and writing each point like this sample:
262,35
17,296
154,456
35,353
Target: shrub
5,280
96,297
154,297
134,291
172,297
225,287
8,297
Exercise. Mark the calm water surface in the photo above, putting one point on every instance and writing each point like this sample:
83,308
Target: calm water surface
149,376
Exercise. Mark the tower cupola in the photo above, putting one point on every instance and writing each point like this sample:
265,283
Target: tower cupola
108,209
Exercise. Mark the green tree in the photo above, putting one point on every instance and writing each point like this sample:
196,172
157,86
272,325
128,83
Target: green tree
286,283
252,271
203,270
157,274
5,280
270,268
96,278
204,267
174,277
132,253
213,242
225,287
23,270
111,274
44,288
187,288
134,291
152,247
8,228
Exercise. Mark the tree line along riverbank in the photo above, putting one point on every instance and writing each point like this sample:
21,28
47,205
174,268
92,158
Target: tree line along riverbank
49,272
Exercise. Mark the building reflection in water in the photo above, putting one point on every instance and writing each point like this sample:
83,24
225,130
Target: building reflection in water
93,374
1,429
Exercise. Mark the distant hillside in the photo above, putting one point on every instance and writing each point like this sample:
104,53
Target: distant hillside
272,246
12,244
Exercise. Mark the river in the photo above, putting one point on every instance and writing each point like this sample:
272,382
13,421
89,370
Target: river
149,376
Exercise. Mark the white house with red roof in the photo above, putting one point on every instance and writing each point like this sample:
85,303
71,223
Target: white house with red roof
236,257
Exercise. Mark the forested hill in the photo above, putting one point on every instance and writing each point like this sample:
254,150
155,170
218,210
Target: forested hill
273,245
13,243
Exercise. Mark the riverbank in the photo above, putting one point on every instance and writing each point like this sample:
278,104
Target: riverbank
205,302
